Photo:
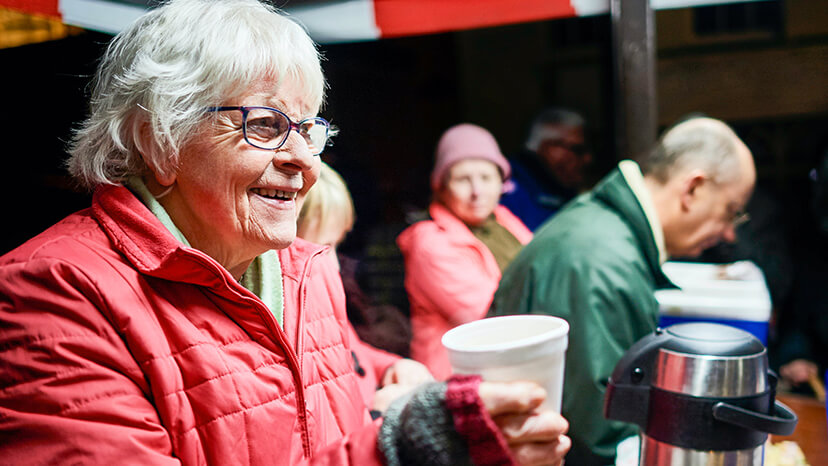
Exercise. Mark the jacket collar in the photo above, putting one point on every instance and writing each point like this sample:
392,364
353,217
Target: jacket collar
614,191
294,259
635,180
137,233
154,251
448,221
459,232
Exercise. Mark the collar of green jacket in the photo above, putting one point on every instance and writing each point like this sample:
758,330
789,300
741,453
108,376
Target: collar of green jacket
614,191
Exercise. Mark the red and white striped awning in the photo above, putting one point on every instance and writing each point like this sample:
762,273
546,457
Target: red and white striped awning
357,20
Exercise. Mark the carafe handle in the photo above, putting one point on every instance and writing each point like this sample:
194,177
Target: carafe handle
783,421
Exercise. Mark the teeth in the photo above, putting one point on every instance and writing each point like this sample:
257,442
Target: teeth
274,193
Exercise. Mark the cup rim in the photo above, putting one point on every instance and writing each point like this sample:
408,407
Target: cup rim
552,334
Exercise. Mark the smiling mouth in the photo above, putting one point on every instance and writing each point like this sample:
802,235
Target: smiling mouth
275,194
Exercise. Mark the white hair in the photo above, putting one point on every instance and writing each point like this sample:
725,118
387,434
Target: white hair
171,64
700,142
551,124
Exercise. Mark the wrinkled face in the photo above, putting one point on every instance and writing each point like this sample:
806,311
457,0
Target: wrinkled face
472,190
711,217
566,156
235,201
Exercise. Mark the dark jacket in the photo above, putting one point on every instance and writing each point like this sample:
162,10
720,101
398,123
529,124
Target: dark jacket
536,194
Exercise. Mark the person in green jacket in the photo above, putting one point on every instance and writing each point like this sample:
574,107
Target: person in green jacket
598,262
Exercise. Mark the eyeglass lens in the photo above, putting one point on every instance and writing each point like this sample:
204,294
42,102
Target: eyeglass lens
268,129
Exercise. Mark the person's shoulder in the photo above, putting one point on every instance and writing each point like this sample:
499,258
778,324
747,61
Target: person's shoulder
294,260
582,236
75,253
587,222
74,234
301,248
419,233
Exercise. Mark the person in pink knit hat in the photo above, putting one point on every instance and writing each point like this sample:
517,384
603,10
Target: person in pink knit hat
453,260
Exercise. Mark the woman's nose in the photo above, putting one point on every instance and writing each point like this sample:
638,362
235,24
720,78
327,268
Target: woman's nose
476,187
295,154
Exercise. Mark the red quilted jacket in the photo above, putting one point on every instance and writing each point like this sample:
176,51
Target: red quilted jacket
119,345
450,277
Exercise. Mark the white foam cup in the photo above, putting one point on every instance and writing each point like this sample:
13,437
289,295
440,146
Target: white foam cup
509,348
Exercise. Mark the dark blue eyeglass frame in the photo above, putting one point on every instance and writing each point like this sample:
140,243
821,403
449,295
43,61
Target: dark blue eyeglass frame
291,126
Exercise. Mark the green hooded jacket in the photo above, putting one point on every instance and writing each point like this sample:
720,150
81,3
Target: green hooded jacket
596,265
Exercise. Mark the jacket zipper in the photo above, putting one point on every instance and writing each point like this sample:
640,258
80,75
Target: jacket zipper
300,344
292,354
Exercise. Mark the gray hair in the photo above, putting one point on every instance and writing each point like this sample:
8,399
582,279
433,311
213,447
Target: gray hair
167,67
548,124
700,142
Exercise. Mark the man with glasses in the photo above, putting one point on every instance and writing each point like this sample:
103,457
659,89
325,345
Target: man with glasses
550,170
597,263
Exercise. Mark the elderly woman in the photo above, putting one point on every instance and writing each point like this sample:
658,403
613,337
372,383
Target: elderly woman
177,320
453,261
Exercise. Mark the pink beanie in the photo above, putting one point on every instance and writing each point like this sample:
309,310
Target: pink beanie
466,141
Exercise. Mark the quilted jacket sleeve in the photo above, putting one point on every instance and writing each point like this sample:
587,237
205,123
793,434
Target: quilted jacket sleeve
371,358
370,364
70,393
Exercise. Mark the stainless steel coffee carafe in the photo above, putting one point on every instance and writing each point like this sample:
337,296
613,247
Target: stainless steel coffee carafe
702,394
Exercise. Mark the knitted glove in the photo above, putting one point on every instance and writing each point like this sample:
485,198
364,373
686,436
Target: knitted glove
442,424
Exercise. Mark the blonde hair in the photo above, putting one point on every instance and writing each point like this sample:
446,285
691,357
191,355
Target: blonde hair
328,201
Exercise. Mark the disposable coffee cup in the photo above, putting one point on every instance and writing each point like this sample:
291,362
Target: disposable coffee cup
510,348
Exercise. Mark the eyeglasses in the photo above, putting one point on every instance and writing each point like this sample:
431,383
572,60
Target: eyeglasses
740,218
734,214
268,128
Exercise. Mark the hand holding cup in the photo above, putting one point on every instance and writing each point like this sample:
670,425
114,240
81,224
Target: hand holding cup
535,437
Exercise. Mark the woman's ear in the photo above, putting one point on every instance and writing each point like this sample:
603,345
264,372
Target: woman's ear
147,148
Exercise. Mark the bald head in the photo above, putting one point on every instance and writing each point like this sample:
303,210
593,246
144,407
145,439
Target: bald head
701,176
703,144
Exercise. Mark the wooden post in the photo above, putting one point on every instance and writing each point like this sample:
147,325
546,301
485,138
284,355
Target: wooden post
634,67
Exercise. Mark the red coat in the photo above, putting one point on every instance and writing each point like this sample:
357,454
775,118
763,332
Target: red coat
120,345
450,277
374,362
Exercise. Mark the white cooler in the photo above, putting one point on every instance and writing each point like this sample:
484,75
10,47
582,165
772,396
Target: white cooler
732,294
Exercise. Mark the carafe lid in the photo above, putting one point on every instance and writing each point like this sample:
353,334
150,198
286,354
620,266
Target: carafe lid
710,360
711,340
